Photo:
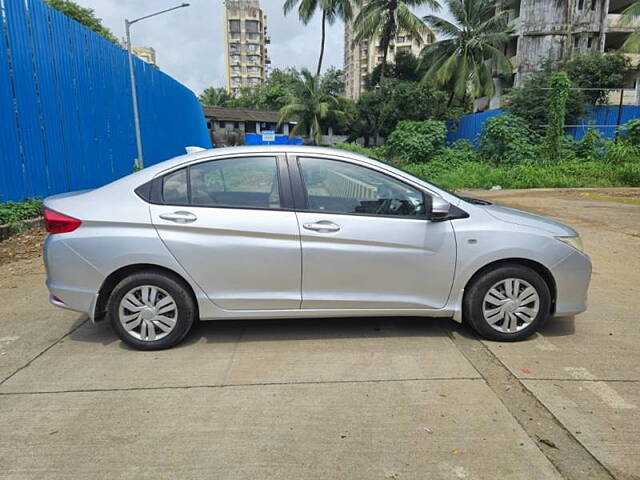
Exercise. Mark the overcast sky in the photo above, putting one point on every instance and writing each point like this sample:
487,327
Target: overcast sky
189,41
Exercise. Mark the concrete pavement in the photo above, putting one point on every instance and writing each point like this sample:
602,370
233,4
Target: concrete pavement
341,398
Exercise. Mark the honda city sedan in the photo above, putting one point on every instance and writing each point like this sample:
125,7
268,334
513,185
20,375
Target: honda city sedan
294,231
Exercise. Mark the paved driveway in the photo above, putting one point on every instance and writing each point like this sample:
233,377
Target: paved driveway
343,398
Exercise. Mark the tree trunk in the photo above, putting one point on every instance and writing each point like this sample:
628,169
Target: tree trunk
385,51
324,27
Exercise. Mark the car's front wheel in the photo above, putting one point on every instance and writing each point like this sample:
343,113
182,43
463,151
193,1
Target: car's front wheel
507,303
151,310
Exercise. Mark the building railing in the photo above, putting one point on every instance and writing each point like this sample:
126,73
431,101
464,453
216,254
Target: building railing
615,22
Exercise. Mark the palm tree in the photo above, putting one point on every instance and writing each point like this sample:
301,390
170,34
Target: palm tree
215,97
471,50
632,43
310,105
385,18
331,10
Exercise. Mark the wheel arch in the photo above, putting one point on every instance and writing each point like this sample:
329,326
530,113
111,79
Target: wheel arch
539,268
116,276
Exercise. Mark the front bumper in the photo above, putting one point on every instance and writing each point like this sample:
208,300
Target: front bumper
572,276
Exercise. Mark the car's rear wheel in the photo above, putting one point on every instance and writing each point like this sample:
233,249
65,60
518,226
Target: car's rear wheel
507,303
151,310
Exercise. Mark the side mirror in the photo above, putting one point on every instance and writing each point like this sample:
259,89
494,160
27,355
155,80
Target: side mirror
439,209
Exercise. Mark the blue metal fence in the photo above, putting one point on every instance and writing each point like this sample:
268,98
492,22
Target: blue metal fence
603,118
66,120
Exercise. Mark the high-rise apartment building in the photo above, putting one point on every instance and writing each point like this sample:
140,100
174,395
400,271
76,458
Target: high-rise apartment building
245,44
361,58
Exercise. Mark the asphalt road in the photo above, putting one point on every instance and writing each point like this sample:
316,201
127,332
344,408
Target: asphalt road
342,398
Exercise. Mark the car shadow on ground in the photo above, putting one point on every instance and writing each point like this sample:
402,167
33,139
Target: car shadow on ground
302,329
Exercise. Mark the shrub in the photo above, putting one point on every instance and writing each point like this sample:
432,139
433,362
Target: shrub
507,139
621,151
413,142
591,147
631,131
560,85
14,212
376,153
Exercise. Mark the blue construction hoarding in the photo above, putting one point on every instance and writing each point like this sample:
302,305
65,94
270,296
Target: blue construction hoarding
66,119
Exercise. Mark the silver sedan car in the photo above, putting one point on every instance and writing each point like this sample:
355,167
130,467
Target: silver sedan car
272,232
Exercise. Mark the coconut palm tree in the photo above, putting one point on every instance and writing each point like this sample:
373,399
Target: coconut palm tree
470,51
385,18
310,106
331,11
632,43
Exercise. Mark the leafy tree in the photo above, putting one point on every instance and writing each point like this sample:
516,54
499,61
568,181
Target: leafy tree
631,132
632,43
385,18
85,16
310,106
332,82
215,97
560,85
406,67
470,51
269,95
597,69
531,101
331,11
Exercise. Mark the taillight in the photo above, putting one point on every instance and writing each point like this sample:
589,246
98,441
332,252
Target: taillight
58,223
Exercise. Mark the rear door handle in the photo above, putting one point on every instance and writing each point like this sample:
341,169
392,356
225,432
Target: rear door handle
179,217
323,226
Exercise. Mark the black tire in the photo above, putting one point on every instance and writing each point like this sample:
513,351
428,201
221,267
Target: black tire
475,294
173,286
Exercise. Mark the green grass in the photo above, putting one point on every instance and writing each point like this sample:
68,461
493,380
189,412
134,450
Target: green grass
14,212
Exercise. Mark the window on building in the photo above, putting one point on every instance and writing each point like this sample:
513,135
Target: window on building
589,42
252,26
580,4
593,5
234,26
402,39
236,79
576,42
235,58
234,47
252,48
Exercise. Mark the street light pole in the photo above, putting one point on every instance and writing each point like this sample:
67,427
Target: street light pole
132,75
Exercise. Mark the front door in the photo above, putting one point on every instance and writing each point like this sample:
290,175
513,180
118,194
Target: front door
366,242
226,223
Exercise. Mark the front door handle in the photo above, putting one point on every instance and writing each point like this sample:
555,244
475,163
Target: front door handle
323,226
179,217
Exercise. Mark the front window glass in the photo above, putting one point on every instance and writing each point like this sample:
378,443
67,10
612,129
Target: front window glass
339,187
236,182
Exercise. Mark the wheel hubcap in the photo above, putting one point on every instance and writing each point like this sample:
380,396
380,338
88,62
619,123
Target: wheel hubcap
148,313
511,305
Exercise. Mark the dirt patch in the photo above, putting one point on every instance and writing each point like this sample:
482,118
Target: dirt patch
25,245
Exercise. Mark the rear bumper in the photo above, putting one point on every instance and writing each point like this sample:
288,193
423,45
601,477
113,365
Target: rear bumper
72,281
572,276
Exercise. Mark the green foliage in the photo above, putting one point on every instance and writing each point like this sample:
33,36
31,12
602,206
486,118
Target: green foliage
597,69
631,13
620,151
507,139
413,142
406,67
631,131
85,16
271,94
531,101
14,212
310,106
470,49
215,97
591,147
559,93
377,153
332,82
383,19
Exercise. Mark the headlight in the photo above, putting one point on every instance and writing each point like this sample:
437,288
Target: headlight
575,242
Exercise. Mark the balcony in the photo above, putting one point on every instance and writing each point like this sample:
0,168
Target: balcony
615,23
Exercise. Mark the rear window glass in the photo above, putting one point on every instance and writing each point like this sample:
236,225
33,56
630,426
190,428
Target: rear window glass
174,188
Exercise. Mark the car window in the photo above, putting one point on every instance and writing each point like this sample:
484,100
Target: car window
174,188
340,187
247,182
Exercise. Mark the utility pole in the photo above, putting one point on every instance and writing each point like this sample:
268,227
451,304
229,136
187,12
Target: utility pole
132,75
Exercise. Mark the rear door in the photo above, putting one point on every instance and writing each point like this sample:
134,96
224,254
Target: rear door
230,224
366,239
